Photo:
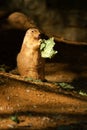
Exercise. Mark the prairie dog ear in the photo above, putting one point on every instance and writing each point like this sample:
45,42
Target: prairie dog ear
33,32
32,38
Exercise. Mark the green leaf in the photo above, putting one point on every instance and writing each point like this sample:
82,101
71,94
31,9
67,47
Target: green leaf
82,93
66,85
15,118
46,48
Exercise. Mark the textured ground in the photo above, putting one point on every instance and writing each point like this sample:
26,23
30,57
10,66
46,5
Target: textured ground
41,105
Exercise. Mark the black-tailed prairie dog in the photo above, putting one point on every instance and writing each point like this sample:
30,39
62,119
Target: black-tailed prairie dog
29,61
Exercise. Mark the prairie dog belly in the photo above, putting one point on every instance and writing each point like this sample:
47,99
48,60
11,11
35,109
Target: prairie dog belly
29,61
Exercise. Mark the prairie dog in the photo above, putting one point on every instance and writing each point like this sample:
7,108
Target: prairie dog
29,61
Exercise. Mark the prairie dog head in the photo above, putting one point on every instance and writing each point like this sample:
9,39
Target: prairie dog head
32,38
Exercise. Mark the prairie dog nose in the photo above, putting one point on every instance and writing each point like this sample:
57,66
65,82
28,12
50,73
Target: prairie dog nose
43,36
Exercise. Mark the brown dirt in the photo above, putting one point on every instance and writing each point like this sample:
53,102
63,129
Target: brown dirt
40,105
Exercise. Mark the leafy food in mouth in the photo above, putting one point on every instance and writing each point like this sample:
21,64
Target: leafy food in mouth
47,48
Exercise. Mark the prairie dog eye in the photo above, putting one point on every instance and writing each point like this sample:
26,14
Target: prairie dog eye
32,31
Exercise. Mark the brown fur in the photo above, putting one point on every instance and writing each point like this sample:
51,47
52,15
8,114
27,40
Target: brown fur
29,61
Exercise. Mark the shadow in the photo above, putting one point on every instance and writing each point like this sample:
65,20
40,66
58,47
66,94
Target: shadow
62,4
10,43
70,60
53,121
53,115
80,84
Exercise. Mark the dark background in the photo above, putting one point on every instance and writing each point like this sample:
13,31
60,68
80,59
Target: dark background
11,40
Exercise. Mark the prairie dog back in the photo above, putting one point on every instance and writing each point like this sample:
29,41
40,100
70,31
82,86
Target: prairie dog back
29,60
